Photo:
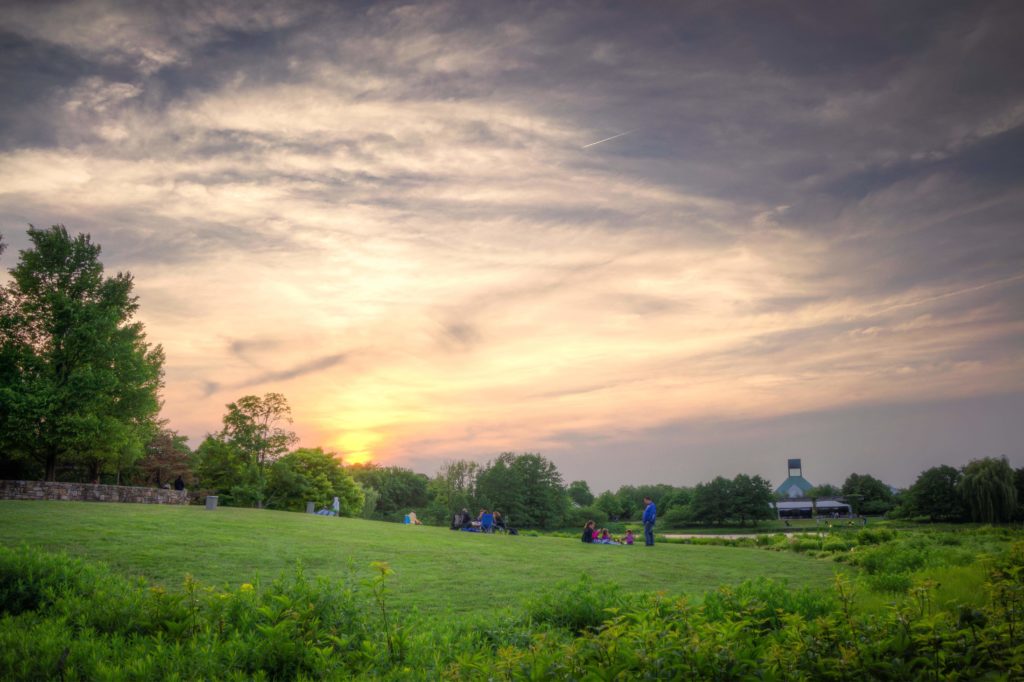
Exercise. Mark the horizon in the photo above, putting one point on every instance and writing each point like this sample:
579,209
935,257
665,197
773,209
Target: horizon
652,244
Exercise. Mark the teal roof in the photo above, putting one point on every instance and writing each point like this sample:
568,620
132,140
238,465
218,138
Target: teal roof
798,481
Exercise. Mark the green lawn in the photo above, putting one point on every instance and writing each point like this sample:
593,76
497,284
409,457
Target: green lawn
437,570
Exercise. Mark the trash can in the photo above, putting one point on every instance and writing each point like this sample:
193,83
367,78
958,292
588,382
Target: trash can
211,502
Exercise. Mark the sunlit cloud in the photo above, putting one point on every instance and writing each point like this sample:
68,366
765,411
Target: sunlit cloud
419,223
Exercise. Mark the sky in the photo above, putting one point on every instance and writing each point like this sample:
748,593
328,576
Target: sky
654,242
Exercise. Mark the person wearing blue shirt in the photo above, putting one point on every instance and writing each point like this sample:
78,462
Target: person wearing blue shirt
650,513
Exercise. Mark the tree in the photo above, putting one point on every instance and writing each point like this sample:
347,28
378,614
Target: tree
452,490
167,457
989,490
252,425
936,494
399,490
752,498
579,492
79,384
222,468
526,488
867,495
712,502
312,475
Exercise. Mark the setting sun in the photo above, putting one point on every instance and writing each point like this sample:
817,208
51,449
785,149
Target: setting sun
356,448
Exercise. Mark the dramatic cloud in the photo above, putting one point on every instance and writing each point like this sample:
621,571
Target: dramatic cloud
448,229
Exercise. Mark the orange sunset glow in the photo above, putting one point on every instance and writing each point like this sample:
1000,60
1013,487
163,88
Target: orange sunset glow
653,244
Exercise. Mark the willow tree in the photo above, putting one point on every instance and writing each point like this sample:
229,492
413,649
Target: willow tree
79,384
988,489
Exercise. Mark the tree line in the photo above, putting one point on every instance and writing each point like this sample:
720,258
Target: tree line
80,400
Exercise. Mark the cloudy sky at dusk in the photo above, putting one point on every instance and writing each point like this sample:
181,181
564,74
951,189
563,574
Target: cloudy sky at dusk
655,242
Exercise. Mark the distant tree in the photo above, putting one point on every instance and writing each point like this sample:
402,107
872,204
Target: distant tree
526,488
824,491
751,499
611,504
936,494
867,495
989,490
312,475
579,492
1018,482
712,502
79,384
253,425
399,490
452,489
167,457
224,469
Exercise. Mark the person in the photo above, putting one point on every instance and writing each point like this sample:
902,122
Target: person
413,520
650,513
467,520
499,521
606,538
629,537
179,483
588,532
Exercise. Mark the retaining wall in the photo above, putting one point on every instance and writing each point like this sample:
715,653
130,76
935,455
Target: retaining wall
88,492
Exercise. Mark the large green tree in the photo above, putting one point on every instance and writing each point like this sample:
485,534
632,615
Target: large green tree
867,495
312,475
752,499
399,490
936,494
579,492
79,384
451,490
254,425
713,501
989,490
526,488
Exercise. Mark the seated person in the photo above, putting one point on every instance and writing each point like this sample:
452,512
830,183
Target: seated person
588,532
487,522
499,521
467,520
413,520
629,537
606,538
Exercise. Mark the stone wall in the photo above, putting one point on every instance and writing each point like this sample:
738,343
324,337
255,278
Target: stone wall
88,492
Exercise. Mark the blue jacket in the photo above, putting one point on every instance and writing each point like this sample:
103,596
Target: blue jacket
649,513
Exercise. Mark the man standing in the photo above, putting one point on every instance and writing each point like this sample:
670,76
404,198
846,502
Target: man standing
650,512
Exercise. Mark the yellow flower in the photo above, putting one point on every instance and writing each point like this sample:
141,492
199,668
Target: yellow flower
246,587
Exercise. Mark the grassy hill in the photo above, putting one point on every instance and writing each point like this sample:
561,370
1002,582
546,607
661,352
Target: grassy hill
437,570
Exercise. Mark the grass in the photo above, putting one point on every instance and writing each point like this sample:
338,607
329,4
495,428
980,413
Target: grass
436,570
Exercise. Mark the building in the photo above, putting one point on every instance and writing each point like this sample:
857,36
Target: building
795,486
797,505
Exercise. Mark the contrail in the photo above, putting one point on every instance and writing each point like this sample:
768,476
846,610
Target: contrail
608,138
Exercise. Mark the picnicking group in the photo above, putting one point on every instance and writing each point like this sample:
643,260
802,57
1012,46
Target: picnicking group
592,535
484,522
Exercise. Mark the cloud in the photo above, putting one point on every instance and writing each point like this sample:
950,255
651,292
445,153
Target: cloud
810,215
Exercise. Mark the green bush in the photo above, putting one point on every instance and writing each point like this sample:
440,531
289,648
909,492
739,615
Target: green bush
875,536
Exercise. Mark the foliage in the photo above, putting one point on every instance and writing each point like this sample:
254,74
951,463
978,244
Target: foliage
451,490
526,488
712,501
79,383
936,494
399,490
825,490
741,499
167,457
224,469
989,490
867,495
65,619
252,425
312,475
579,492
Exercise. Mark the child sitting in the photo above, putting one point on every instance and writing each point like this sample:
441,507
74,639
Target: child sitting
629,537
